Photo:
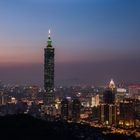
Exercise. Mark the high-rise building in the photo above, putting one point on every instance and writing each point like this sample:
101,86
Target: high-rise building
137,112
65,109
134,91
127,113
108,114
109,97
76,107
49,72
108,109
95,101
4,99
120,94
95,113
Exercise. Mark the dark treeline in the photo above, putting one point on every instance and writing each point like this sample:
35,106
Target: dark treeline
27,127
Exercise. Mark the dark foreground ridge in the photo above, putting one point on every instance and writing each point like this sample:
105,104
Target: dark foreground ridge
27,127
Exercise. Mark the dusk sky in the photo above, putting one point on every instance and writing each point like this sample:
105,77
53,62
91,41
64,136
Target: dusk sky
94,40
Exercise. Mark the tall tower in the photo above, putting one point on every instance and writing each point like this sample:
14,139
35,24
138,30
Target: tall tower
49,72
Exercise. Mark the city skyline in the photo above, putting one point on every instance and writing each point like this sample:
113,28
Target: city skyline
94,40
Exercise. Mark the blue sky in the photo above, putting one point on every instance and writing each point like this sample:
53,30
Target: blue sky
83,31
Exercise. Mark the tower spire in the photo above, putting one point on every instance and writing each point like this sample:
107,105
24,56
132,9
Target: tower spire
49,39
49,34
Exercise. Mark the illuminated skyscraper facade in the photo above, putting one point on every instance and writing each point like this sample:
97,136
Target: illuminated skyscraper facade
76,107
65,109
108,109
49,72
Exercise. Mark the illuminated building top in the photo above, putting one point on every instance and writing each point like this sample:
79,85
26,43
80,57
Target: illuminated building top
49,39
112,84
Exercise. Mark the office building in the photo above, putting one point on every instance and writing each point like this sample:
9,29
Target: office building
65,109
109,97
76,107
127,113
108,109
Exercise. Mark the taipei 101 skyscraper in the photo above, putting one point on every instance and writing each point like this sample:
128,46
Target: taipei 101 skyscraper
49,96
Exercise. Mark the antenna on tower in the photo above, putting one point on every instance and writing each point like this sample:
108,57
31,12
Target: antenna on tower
49,33
49,39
